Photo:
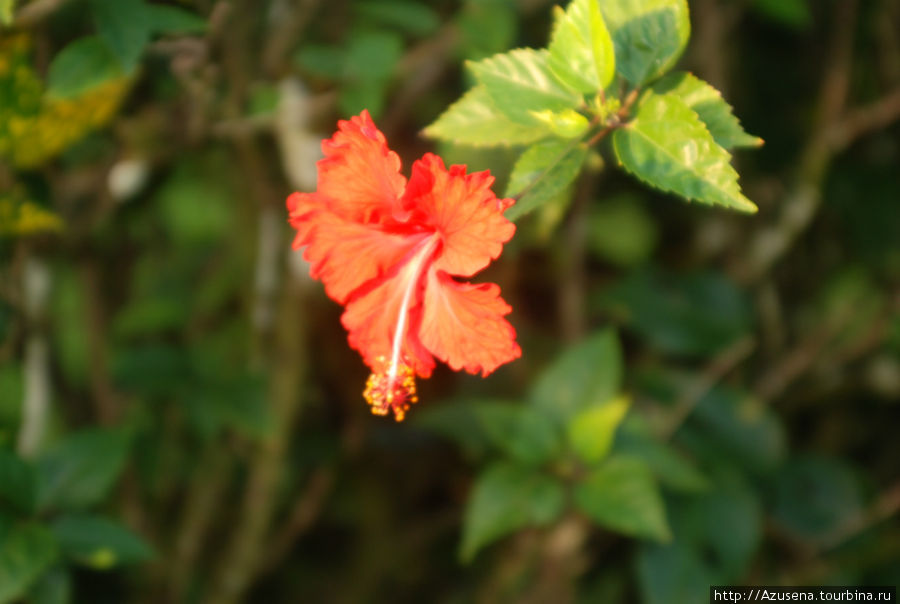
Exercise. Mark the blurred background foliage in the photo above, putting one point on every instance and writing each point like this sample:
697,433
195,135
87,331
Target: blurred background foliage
704,398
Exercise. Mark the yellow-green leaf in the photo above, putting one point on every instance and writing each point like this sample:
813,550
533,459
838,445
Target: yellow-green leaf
520,81
592,430
474,120
581,50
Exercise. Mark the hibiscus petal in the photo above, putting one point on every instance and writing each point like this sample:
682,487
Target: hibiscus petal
463,324
359,175
373,316
463,209
346,255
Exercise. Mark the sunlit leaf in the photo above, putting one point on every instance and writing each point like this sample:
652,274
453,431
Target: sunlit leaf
520,81
543,171
649,36
581,50
474,120
668,147
712,109
592,430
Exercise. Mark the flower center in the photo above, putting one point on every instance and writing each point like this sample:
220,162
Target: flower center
392,385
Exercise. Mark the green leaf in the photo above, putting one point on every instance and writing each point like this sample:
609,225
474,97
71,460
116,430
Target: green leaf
542,173
506,498
730,427
479,425
81,66
411,17
815,497
163,19
585,375
7,8
80,470
520,81
621,495
54,587
98,542
25,552
123,26
368,66
667,146
591,431
581,50
673,573
18,483
474,120
710,107
648,35
519,431
671,468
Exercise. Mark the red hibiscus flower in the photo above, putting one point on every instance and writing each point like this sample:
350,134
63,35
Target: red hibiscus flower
390,251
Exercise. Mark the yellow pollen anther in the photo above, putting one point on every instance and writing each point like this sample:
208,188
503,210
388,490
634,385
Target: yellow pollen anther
385,393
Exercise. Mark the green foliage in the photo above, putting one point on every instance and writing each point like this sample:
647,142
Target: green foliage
649,36
506,498
17,483
581,51
816,497
524,75
716,536
710,107
79,471
474,120
126,26
26,550
368,67
671,467
82,65
668,147
622,495
562,100
592,430
54,587
692,314
585,375
98,542
542,173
